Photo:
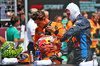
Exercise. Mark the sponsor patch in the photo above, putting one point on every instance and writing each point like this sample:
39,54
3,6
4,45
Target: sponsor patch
41,33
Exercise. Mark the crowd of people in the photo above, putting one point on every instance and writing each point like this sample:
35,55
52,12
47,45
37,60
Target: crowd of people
73,31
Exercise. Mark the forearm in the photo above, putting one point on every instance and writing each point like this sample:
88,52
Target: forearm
66,37
21,40
2,40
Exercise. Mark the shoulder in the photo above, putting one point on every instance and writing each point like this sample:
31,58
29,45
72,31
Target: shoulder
9,28
90,20
82,20
37,28
53,22
69,21
16,30
56,23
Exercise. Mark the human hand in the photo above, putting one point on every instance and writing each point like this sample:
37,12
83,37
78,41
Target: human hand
22,39
59,54
58,43
50,29
6,24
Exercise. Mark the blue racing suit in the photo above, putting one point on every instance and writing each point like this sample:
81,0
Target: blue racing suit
79,40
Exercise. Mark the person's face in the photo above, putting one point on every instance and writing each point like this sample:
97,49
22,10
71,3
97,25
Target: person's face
98,12
96,19
59,19
68,13
40,23
85,15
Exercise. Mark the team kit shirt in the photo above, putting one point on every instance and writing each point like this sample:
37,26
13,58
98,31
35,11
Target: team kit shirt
12,33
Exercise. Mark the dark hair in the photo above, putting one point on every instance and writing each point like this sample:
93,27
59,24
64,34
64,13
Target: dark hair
56,17
20,7
38,15
14,19
84,12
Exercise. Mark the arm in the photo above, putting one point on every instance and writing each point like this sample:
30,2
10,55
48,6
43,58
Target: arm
57,30
16,40
32,26
60,29
17,37
32,31
2,40
76,28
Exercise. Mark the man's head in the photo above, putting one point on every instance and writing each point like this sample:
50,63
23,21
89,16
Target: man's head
46,14
72,11
95,17
84,14
98,12
58,19
39,18
32,10
15,21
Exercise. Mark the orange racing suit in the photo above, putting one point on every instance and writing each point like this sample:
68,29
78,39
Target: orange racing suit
39,32
59,32
94,28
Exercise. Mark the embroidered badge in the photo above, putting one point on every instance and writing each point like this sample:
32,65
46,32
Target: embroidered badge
41,33
55,27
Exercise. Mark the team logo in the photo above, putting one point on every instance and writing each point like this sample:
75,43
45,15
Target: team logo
55,27
76,44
